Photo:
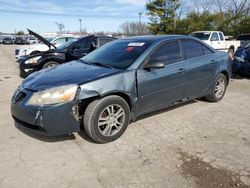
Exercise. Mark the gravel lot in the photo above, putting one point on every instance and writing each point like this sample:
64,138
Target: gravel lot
197,144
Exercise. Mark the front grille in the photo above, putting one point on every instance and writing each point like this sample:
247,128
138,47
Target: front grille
30,126
17,51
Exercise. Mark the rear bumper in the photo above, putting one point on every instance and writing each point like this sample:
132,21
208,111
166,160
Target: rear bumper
50,120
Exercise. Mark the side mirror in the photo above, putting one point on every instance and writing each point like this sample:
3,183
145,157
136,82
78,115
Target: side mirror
154,65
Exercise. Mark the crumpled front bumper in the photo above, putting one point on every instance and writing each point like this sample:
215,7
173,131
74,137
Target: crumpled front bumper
49,120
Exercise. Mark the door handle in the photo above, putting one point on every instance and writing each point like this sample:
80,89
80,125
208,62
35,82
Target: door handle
181,70
213,61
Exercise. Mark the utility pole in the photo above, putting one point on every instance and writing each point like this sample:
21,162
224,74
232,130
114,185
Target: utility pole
80,20
174,16
140,14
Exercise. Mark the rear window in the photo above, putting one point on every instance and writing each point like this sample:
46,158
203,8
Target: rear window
243,37
192,48
201,35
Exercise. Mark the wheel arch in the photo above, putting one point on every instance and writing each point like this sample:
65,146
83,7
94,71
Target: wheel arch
83,103
226,73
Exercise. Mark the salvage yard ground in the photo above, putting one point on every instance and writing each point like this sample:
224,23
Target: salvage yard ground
198,144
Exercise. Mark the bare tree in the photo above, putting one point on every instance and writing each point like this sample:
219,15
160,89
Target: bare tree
134,28
61,27
201,5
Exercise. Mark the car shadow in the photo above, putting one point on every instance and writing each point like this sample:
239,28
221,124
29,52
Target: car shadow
46,138
84,136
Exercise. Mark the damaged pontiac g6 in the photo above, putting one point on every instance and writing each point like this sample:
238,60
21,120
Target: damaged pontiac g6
117,83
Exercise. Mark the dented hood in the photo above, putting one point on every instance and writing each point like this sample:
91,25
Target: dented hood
74,72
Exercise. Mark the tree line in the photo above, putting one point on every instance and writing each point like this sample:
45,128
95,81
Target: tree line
183,17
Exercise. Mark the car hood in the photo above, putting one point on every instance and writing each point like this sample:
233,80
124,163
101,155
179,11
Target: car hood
74,72
43,40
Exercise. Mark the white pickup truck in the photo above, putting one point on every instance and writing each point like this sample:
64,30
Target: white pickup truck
216,39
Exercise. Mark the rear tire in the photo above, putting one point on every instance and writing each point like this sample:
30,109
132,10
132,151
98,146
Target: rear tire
218,89
106,119
50,64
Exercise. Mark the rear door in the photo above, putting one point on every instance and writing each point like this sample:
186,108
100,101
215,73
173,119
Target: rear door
201,67
158,88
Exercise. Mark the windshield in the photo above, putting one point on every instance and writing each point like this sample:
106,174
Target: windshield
201,35
66,44
118,54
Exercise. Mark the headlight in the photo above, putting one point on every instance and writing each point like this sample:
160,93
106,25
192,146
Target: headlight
32,60
53,96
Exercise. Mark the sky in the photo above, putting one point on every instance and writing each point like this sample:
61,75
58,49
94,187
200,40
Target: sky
41,15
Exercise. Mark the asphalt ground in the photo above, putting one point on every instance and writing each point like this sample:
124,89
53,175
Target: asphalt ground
196,144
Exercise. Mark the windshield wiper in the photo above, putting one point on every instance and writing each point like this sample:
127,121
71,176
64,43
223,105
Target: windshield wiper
101,65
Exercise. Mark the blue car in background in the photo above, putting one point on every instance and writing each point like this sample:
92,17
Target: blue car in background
117,83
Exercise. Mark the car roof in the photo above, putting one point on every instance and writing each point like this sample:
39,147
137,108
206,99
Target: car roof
154,38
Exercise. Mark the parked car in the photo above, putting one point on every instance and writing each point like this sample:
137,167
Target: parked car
36,48
66,52
244,39
119,82
216,39
1,40
32,40
20,40
8,40
241,62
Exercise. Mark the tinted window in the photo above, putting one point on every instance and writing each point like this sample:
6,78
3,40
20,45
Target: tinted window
192,49
167,53
214,37
85,43
206,50
221,36
103,41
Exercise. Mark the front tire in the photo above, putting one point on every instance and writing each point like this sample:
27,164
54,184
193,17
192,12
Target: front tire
106,119
50,64
219,89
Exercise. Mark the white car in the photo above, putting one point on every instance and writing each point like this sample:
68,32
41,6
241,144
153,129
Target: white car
216,39
35,48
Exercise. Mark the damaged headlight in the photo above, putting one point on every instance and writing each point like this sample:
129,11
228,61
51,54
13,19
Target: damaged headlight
32,60
53,96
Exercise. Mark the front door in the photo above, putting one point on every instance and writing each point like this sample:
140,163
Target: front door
161,87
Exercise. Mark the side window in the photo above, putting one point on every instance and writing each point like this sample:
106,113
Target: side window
103,41
192,48
206,50
221,36
167,53
59,41
85,43
214,36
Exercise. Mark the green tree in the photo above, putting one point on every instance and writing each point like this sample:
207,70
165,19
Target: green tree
20,33
163,16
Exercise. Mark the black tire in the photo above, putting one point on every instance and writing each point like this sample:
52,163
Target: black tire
213,96
50,64
95,109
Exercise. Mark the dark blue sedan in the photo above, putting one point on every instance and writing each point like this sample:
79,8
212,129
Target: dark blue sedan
117,83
